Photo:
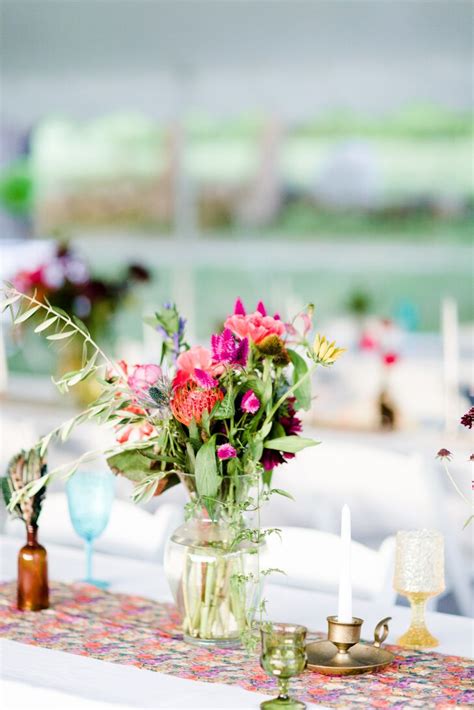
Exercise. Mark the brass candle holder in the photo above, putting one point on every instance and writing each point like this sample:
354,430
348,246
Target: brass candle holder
344,654
344,635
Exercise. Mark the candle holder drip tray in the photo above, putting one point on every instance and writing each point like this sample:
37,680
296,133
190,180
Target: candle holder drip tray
343,654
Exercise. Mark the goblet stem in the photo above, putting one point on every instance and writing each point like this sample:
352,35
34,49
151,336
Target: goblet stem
418,635
283,688
89,550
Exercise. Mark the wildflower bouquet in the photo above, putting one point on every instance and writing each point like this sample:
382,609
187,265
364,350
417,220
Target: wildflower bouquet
217,419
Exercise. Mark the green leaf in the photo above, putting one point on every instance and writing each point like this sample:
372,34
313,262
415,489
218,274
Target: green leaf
205,422
61,336
290,444
131,464
10,301
224,409
82,326
303,392
27,314
207,477
45,324
281,492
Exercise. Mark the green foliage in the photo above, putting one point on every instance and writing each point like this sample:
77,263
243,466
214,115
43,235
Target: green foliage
303,391
290,444
207,476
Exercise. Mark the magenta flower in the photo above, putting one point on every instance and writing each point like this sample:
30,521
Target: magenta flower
239,309
204,379
250,402
225,349
226,451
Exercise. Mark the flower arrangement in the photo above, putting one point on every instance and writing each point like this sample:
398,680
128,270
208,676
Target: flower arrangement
66,281
217,419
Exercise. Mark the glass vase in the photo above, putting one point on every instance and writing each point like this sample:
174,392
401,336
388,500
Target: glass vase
32,587
212,567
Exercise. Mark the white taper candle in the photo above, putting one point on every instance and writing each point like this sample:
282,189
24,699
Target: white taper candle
344,612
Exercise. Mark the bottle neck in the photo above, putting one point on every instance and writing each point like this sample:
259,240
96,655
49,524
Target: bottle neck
31,535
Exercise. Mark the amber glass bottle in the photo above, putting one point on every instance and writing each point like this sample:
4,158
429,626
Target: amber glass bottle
33,591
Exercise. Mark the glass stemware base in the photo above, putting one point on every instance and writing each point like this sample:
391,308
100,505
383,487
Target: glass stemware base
418,636
282,702
99,583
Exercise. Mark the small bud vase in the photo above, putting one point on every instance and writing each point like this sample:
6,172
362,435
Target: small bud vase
32,589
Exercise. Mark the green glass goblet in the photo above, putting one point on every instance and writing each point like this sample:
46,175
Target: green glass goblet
283,656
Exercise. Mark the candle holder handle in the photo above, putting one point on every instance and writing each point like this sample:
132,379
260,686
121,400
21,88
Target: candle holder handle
381,631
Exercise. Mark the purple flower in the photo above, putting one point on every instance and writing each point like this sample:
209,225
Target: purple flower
226,349
226,451
204,379
261,308
242,353
250,402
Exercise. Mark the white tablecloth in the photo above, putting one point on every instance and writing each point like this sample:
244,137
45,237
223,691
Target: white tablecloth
37,677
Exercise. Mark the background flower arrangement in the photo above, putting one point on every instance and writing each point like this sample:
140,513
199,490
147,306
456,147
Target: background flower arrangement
217,420
67,282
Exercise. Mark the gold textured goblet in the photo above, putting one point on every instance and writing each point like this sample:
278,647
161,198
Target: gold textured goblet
284,656
419,575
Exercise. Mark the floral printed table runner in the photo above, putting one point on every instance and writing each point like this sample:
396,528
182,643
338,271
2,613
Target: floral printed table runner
140,632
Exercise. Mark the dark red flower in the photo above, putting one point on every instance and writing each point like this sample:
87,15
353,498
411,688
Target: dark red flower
444,454
467,419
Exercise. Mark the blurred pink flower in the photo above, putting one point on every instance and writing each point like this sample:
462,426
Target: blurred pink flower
226,451
389,359
250,402
196,357
255,327
142,377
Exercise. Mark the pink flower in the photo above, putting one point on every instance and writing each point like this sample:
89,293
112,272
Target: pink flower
367,342
255,326
239,309
226,451
196,357
250,402
142,377
390,359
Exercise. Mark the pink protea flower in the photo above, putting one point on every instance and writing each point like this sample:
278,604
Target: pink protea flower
255,326
189,401
250,402
226,451
142,377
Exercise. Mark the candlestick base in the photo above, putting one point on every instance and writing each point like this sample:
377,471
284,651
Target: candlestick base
342,654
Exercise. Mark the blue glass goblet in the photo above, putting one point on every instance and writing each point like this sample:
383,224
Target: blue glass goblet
90,495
